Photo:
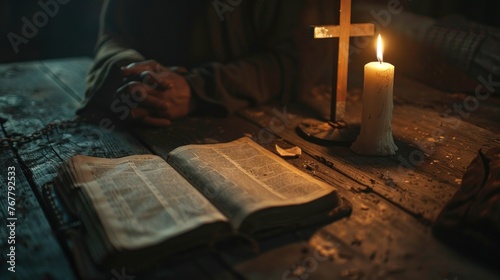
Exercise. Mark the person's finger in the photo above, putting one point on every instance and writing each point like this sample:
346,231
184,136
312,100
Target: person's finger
137,68
155,121
157,81
164,112
138,113
155,102
140,94
128,86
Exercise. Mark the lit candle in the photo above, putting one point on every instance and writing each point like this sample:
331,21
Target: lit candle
375,138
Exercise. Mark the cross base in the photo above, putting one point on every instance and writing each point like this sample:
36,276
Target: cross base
329,132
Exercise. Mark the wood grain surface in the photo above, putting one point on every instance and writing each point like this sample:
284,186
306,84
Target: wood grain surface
395,199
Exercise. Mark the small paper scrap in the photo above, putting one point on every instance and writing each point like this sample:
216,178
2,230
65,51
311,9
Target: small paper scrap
291,152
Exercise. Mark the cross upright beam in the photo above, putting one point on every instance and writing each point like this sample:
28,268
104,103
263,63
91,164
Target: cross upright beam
343,31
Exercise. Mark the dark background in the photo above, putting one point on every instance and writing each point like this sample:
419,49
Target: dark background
73,30
70,32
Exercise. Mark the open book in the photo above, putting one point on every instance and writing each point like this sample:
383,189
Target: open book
141,207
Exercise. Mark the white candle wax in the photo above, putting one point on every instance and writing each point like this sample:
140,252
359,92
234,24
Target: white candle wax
376,133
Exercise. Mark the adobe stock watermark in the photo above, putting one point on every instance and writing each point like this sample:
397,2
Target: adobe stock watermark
30,28
223,6
463,109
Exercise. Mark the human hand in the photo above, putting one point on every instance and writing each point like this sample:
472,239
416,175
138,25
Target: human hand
161,93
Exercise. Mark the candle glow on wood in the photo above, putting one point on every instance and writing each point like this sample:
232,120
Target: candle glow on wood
375,137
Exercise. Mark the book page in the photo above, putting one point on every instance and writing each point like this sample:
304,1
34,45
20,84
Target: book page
141,200
241,177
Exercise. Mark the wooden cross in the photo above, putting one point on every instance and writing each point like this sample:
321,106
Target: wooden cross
343,31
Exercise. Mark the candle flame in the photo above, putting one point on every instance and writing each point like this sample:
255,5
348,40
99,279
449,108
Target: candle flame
380,49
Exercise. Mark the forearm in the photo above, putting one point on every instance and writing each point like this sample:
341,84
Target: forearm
113,50
226,88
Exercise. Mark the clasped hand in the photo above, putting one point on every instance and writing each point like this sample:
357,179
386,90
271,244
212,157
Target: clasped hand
162,94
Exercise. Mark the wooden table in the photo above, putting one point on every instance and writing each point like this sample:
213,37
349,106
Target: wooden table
395,199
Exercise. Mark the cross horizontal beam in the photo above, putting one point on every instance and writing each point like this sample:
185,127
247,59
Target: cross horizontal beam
333,31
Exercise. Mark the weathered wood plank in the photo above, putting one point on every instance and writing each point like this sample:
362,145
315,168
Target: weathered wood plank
486,115
26,93
394,240
424,173
15,102
70,73
37,251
